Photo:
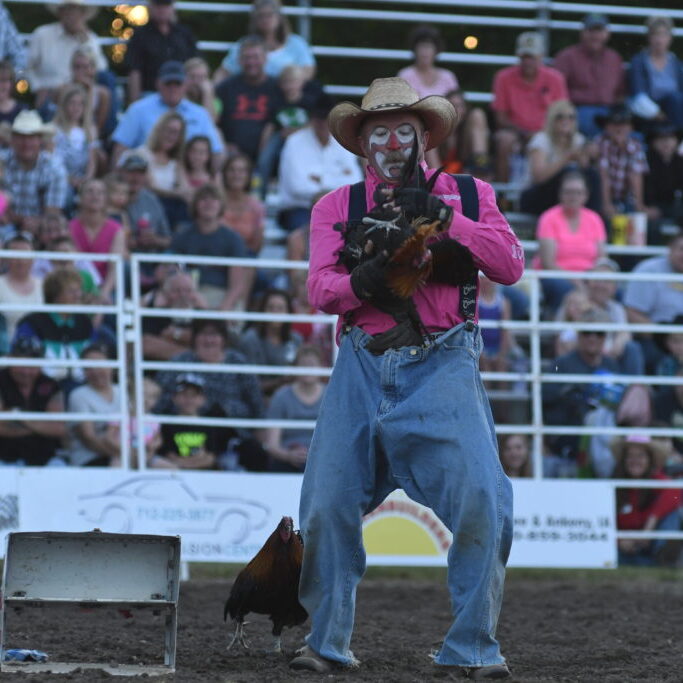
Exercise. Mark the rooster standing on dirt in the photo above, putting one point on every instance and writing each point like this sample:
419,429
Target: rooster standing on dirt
269,584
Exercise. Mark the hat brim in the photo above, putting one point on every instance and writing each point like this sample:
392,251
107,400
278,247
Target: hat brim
436,112
89,11
657,452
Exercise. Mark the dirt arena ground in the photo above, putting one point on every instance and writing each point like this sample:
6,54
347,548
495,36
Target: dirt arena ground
584,626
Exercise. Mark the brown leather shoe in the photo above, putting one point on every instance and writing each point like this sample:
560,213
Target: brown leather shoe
486,673
308,660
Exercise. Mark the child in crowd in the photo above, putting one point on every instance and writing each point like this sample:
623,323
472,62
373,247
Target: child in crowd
74,141
118,196
191,446
199,85
672,344
151,429
515,455
574,305
196,165
299,96
299,400
9,107
98,97
622,164
243,212
493,306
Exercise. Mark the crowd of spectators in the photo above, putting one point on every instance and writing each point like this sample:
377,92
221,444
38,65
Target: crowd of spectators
184,163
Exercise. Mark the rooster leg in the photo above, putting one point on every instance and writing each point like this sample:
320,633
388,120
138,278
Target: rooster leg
277,645
238,637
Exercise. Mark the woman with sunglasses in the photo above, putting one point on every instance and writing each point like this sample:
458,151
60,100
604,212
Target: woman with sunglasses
551,153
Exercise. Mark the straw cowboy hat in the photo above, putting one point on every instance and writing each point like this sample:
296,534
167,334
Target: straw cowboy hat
387,95
28,122
656,451
89,12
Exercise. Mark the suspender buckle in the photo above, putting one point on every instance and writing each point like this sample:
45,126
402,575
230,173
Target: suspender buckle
469,325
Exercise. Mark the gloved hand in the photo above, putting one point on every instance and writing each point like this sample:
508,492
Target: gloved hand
415,203
369,279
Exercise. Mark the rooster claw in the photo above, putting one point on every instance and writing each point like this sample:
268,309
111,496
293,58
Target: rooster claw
238,637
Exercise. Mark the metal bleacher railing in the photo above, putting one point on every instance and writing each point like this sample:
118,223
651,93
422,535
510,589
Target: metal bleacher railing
129,316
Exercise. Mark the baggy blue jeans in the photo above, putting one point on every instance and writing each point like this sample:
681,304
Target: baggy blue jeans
416,418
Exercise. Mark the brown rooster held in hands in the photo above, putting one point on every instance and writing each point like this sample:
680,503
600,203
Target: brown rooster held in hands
269,584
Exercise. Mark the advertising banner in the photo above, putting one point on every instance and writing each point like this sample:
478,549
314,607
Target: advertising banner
226,517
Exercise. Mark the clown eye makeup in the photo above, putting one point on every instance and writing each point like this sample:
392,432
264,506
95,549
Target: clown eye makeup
405,133
379,135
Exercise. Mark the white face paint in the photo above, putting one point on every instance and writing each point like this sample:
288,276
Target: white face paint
390,147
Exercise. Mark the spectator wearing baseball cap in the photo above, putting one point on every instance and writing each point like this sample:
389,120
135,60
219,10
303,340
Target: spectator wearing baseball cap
521,96
594,72
140,118
161,39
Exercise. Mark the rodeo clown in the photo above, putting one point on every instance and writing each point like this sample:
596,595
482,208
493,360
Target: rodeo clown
396,257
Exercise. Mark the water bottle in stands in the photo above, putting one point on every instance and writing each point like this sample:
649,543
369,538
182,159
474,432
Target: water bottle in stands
619,228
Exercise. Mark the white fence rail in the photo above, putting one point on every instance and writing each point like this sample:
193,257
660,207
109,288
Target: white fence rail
129,317
517,15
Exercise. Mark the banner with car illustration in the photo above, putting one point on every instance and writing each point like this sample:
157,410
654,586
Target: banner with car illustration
226,517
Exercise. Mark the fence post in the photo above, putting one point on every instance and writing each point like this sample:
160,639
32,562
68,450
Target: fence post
536,396
304,21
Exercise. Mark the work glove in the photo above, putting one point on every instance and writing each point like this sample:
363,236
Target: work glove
419,203
369,279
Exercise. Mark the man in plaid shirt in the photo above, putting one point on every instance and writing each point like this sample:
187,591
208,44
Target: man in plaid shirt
622,164
11,46
37,180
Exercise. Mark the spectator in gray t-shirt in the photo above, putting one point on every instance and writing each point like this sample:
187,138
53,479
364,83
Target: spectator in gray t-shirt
656,302
96,443
226,288
300,400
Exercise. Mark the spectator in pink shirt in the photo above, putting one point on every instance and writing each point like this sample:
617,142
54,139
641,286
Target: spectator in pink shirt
426,78
570,237
594,73
521,96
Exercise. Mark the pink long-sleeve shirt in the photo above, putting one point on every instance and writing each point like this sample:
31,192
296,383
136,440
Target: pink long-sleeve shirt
494,247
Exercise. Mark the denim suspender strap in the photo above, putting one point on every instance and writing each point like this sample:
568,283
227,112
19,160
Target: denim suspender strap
469,198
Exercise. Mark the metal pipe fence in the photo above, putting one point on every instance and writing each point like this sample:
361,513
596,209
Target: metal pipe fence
130,314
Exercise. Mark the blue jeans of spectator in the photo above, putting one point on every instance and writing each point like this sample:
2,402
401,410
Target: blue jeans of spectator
586,114
647,556
632,361
291,219
554,290
418,419
268,159
672,106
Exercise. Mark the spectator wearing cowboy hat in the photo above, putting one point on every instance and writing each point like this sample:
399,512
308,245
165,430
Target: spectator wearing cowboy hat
11,44
36,179
371,437
639,509
51,47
